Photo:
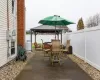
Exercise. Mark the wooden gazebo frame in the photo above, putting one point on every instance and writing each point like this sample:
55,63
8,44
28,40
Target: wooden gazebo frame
45,30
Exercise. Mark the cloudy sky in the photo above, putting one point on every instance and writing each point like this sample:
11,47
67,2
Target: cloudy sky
69,9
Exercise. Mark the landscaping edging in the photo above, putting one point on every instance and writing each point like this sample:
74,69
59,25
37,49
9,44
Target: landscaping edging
13,68
94,73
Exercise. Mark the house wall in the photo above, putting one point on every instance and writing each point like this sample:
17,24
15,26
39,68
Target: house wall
12,26
21,22
3,29
86,45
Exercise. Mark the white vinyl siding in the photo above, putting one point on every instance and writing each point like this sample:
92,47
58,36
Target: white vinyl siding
3,29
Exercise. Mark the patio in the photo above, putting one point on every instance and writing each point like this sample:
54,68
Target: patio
39,68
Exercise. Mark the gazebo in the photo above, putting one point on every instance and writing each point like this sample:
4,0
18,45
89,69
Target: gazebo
45,29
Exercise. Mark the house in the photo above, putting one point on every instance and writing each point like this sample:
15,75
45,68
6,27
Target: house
21,22
8,30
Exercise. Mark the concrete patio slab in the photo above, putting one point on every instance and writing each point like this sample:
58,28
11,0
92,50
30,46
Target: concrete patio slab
39,68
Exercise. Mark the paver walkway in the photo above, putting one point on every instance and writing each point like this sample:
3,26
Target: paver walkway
39,68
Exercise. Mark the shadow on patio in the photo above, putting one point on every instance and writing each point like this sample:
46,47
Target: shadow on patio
39,68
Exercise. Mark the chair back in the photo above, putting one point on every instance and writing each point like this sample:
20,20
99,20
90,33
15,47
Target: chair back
68,44
55,45
46,46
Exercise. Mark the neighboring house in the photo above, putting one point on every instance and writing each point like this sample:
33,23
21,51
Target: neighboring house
21,22
8,30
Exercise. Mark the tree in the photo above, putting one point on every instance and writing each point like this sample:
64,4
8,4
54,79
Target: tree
93,21
80,24
28,32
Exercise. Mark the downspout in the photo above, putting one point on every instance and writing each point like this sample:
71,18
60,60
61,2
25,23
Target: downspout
8,27
7,15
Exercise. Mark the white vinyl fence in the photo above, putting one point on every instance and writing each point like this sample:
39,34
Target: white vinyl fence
86,45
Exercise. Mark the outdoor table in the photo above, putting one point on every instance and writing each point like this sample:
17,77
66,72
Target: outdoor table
53,55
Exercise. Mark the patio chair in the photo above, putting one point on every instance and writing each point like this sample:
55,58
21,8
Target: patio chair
46,49
55,53
37,45
67,46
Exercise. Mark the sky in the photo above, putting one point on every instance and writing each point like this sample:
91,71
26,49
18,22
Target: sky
71,10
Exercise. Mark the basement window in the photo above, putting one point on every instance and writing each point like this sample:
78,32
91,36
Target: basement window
13,3
12,48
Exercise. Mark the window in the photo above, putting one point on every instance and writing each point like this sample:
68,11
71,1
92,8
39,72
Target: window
13,33
12,6
12,48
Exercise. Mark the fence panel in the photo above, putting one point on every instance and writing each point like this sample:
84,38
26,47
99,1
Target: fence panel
86,45
93,48
78,43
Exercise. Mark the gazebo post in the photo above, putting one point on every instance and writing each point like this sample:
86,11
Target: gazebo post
35,37
58,36
35,40
61,36
31,40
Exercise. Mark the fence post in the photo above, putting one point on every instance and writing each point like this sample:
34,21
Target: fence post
85,43
31,39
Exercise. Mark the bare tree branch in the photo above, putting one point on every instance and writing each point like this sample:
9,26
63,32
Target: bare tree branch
93,21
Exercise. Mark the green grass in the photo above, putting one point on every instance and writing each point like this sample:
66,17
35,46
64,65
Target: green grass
33,46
